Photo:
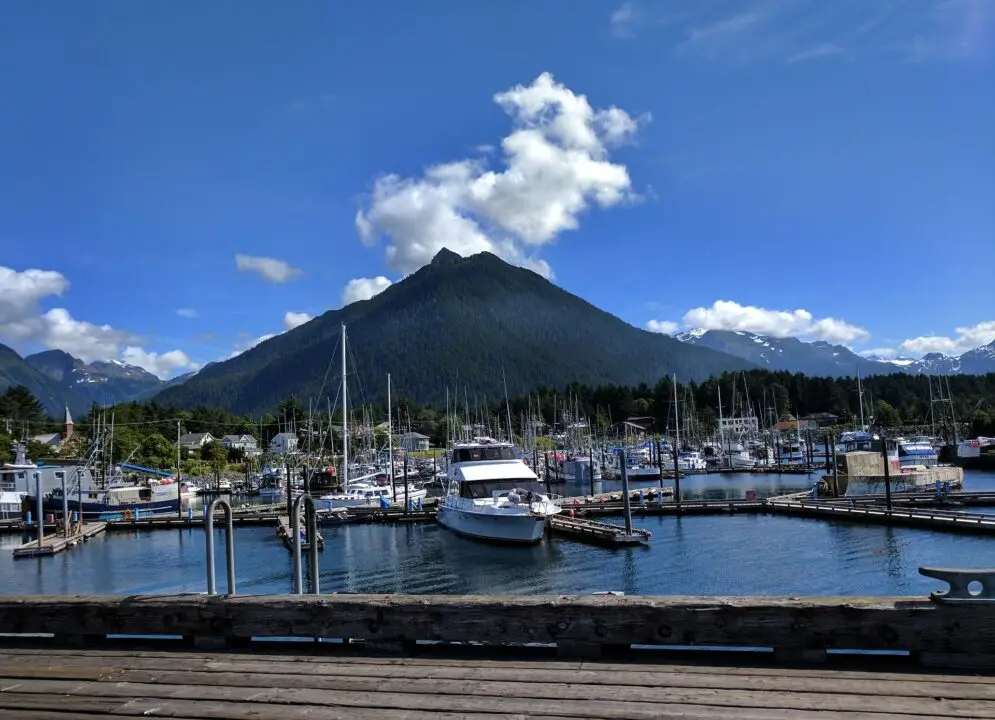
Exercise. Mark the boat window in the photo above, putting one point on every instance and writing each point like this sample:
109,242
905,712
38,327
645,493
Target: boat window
478,489
475,454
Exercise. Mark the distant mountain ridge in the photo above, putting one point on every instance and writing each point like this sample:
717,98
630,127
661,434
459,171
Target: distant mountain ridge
822,358
457,321
787,353
101,382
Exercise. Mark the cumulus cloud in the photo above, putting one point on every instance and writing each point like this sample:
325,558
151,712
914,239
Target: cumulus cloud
729,315
662,326
269,269
884,352
162,365
295,319
363,289
23,321
967,338
555,167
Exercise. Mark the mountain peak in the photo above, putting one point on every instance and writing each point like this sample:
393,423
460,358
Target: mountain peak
446,257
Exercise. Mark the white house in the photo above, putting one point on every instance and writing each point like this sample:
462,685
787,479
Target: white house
245,443
283,443
412,441
740,425
193,442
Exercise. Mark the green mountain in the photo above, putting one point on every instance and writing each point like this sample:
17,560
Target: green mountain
458,321
53,396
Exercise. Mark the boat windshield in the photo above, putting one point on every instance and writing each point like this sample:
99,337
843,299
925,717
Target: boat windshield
479,489
486,452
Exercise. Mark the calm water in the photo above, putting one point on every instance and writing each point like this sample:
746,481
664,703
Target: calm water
723,555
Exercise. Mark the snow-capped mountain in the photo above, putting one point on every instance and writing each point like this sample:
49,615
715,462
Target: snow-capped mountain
103,382
787,353
822,358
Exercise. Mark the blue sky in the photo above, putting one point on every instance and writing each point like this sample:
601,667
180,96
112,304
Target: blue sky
181,179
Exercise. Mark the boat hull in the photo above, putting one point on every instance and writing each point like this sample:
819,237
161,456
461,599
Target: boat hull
493,527
923,480
103,511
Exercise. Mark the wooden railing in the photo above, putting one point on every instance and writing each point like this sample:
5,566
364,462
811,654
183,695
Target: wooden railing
796,629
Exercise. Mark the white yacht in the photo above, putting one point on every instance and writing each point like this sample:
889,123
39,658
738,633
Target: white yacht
493,495
376,493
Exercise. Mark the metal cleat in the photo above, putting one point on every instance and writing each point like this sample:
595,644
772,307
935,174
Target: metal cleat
959,580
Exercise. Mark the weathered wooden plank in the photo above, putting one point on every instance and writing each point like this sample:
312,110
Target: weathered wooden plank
223,702
783,623
480,697
276,660
213,710
595,683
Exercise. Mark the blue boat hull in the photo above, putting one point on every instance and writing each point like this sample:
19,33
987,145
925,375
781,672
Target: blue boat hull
103,511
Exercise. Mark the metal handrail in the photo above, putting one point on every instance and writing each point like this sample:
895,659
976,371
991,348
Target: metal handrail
312,533
229,545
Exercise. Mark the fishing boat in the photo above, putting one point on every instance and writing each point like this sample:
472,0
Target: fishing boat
492,495
117,502
372,491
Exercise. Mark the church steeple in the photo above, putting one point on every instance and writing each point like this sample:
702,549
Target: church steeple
69,424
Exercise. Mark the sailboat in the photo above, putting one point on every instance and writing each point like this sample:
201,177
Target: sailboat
373,489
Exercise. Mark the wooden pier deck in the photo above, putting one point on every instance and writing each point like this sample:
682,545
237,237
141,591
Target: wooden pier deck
55,684
56,543
396,657
596,533
285,532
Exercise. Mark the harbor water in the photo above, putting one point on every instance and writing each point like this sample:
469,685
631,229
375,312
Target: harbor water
706,555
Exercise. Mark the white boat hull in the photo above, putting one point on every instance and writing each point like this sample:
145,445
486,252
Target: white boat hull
523,529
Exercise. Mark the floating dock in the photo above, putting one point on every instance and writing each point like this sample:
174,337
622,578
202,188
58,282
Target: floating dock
285,532
56,543
596,533
943,520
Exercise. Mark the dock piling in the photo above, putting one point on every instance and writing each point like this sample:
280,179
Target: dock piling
65,506
41,512
627,502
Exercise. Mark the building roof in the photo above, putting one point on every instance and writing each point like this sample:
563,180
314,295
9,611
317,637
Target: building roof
48,439
413,436
238,438
289,436
191,438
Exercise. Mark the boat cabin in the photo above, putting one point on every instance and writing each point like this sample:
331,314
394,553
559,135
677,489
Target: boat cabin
495,489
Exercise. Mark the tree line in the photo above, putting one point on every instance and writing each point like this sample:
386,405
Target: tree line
145,432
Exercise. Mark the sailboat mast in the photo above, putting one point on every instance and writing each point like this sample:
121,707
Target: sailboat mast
860,399
345,417
722,431
677,417
390,437
507,406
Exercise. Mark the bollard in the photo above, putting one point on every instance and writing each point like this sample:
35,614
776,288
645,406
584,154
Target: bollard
229,545
189,513
642,499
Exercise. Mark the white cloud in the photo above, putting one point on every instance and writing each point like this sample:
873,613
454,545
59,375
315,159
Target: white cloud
624,19
967,338
162,365
187,313
23,321
662,326
729,315
363,289
248,344
821,50
269,269
295,319
555,167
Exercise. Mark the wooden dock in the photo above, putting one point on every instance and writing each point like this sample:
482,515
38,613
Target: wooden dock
56,543
933,519
596,533
285,532
273,684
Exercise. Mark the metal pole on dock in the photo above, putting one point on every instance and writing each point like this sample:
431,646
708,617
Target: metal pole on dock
627,505
290,494
836,469
677,477
659,464
590,466
179,489
39,508
405,482
65,507
887,470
